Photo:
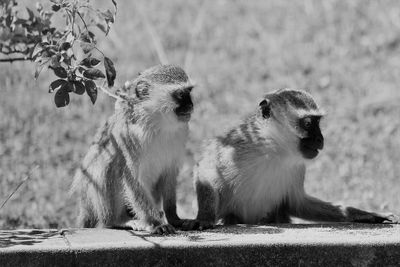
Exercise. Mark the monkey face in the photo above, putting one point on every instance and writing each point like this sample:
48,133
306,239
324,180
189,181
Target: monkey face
184,103
313,140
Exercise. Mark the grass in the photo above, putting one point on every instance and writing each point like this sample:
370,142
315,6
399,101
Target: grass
345,53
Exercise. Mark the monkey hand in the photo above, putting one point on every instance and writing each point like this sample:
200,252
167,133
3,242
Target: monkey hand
392,218
197,225
184,224
163,229
154,228
360,216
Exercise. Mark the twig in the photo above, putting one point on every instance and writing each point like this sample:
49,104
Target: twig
15,59
84,22
109,93
196,30
19,185
154,36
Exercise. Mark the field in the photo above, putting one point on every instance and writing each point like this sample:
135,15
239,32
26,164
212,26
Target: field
345,53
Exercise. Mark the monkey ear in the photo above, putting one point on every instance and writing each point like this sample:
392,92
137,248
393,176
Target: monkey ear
265,106
142,89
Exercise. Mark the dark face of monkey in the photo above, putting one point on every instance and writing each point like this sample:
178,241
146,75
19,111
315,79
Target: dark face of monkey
314,140
177,85
184,101
297,110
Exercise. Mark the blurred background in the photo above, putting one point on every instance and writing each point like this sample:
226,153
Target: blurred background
345,53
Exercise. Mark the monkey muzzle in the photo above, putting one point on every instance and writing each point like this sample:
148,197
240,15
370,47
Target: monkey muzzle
185,105
183,115
310,146
184,112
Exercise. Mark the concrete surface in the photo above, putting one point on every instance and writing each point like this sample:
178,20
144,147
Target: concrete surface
243,245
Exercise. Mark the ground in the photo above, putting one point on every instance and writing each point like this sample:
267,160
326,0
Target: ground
345,53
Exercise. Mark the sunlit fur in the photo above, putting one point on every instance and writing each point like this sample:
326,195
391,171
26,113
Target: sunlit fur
133,162
255,174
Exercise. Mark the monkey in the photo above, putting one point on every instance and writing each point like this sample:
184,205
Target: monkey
128,178
254,174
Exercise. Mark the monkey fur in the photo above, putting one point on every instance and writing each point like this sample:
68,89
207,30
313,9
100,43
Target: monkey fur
128,177
254,174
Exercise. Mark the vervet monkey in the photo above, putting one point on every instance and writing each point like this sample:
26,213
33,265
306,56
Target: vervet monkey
254,174
128,177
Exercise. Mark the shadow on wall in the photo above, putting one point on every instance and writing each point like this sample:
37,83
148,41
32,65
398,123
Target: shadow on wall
25,237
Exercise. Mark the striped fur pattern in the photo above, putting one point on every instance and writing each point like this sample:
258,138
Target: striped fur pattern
128,176
255,173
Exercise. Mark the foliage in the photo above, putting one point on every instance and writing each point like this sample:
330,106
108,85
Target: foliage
69,51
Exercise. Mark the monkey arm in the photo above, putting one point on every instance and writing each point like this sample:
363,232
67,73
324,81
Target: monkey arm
140,202
207,200
168,188
139,197
168,193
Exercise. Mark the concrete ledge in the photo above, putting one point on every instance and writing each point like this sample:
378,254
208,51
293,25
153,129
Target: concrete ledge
243,245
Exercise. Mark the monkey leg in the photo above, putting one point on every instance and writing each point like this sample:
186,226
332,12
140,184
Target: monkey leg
148,218
313,209
207,200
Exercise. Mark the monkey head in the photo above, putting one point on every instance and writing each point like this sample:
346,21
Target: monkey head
295,117
165,89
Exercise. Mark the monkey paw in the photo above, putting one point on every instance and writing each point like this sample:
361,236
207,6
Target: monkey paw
187,225
392,218
203,225
197,225
163,229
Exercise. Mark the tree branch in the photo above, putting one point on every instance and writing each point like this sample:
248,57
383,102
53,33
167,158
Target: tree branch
12,59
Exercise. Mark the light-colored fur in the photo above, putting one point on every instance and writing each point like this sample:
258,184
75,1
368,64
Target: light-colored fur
255,172
254,183
140,144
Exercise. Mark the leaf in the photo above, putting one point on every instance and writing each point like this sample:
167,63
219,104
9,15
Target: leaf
91,90
55,7
89,62
108,16
93,74
61,98
102,27
57,84
38,70
56,61
87,41
31,14
87,47
65,46
87,37
115,5
78,87
37,50
70,38
60,72
110,71
109,19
